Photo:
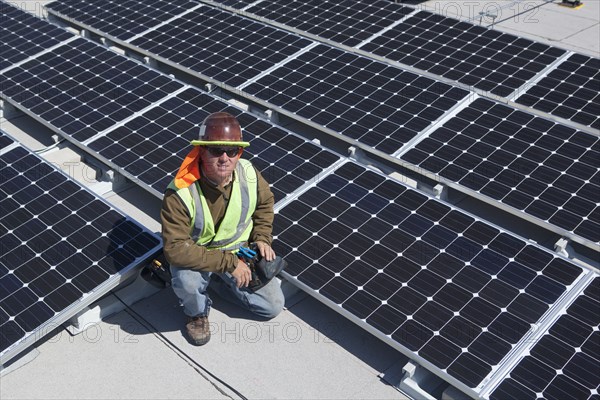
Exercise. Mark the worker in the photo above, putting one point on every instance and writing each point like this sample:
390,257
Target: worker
217,203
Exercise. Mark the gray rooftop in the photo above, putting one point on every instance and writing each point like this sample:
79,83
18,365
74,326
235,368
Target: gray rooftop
308,351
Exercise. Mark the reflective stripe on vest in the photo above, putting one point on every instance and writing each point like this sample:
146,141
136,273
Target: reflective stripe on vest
197,223
236,226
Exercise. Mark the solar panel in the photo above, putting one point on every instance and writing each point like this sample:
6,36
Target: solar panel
365,100
442,286
119,19
22,35
348,22
150,147
62,248
564,363
378,105
81,88
569,91
221,45
547,170
489,60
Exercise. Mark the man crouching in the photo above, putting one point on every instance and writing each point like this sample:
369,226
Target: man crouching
216,204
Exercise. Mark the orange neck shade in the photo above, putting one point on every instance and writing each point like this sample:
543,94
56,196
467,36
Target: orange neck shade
189,171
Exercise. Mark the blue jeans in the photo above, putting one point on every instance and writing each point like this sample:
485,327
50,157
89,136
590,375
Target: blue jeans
190,286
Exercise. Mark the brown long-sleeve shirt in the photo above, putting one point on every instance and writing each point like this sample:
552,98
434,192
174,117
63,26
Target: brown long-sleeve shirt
181,250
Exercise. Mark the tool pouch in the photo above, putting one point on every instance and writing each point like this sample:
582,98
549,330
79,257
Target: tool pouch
270,269
157,272
265,271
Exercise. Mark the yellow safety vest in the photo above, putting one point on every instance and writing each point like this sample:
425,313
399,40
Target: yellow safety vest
237,224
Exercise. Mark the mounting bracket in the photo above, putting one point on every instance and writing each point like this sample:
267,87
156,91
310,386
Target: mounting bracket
272,116
413,380
562,247
440,192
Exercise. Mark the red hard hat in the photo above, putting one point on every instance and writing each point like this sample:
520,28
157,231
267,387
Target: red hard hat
222,129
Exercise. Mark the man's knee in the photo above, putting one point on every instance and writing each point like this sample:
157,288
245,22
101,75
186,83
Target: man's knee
270,311
274,310
273,303
189,281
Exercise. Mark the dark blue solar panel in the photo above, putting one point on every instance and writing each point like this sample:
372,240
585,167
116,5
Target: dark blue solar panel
221,45
487,59
378,105
22,35
571,91
151,147
348,21
61,245
82,88
120,19
451,289
564,363
544,169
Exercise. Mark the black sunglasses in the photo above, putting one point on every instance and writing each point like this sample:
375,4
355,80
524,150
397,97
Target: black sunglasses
218,151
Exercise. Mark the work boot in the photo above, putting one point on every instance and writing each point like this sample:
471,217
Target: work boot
198,330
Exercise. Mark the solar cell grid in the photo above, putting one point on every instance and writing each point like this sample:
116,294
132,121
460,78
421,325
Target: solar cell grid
82,88
381,106
489,60
123,19
369,245
545,169
564,363
347,22
60,244
22,35
365,100
570,91
221,45
151,147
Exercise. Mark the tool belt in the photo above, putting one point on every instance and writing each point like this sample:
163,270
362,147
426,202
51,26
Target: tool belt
158,273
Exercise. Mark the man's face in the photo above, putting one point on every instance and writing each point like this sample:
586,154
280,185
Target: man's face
217,164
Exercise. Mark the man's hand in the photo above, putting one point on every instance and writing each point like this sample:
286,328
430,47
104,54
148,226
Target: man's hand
266,251
242,274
